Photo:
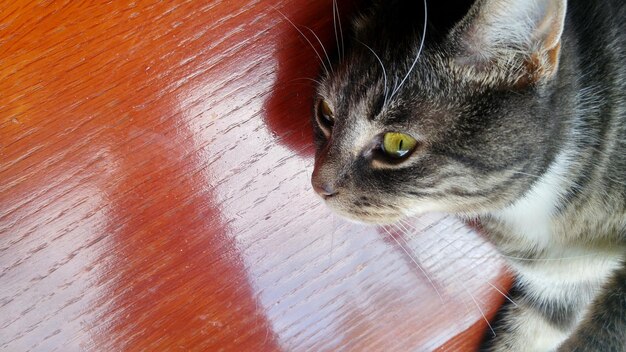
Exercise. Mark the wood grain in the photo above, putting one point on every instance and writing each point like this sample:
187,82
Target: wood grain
154,194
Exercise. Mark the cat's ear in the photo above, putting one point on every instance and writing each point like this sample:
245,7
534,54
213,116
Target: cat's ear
519,38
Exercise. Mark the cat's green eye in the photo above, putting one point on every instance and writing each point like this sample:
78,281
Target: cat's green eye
325,116
398,145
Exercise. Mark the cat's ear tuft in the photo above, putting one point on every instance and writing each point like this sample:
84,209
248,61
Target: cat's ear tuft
519,38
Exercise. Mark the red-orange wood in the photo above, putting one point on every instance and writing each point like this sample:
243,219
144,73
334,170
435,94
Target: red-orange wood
154,193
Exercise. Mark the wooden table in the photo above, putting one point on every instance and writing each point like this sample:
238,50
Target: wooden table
154,194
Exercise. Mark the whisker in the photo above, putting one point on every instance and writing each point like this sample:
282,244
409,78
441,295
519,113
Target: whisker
488,282
382,66
335,28
406,231
342,54
478,306
419,51
395,86
307,79
323,48
408,224
405,222
502,255
415,262
502,293
305,38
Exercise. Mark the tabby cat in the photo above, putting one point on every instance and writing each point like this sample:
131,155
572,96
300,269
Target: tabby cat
512,112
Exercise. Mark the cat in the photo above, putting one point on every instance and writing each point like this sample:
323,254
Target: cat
511,112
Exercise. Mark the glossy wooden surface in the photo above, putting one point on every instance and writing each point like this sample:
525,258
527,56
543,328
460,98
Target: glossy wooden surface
154,194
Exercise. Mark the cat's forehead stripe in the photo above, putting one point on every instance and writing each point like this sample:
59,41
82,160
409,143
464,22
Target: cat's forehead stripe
357,132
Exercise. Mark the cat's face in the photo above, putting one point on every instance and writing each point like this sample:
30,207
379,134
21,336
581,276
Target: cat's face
454,137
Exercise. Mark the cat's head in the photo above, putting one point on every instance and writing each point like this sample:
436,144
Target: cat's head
463,128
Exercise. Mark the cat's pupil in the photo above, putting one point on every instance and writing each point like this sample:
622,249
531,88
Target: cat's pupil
397,146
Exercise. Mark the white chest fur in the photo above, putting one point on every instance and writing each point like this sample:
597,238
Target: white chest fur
530,217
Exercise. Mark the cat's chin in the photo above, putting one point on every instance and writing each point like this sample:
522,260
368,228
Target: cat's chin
369,219
374,221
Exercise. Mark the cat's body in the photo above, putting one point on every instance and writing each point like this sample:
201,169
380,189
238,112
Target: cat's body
515,114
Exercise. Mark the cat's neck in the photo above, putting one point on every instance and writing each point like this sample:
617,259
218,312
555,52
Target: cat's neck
530,218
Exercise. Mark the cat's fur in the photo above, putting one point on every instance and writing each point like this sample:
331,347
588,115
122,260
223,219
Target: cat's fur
519,110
